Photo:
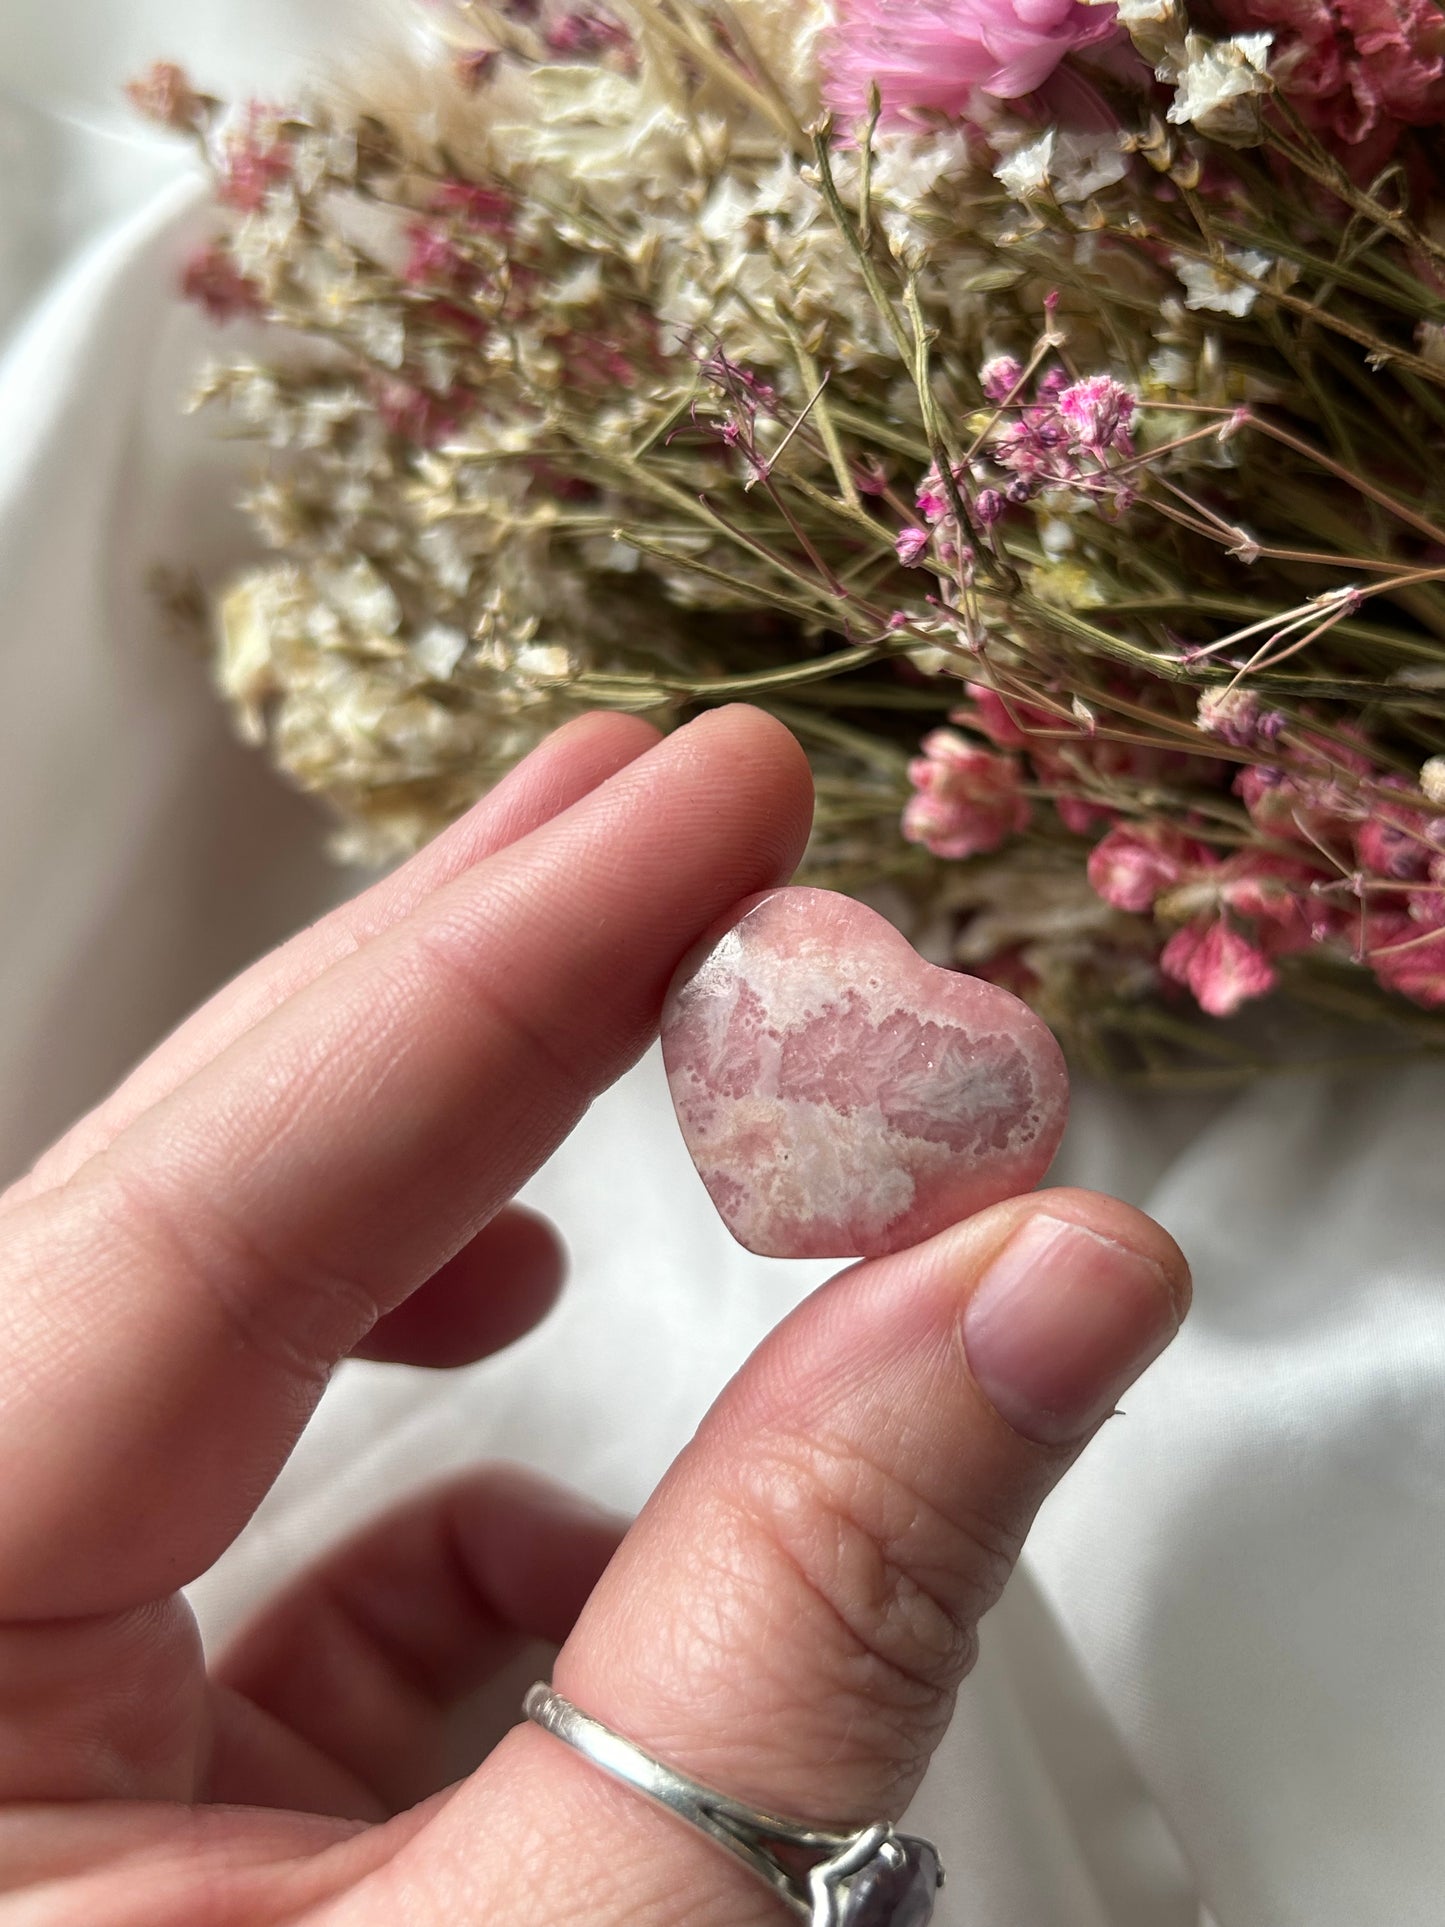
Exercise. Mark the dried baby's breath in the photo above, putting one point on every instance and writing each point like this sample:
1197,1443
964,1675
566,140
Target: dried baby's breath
608,370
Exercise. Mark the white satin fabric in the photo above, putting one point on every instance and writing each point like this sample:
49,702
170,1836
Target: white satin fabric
1215,1692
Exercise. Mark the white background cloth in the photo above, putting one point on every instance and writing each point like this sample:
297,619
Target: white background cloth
1215,1693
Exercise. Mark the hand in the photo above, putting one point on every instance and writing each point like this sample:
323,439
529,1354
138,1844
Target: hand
318,1164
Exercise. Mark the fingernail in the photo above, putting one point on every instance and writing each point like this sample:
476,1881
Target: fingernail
1061,1323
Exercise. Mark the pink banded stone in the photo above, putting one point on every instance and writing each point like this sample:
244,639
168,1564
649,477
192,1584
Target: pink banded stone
841,1097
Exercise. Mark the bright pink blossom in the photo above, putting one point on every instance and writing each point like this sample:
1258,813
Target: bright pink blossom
1061,439
937,54
1000,377
933,503
1221,967
1097,412
967,800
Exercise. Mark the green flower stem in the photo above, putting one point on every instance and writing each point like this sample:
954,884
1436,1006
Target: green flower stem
874,750
747,592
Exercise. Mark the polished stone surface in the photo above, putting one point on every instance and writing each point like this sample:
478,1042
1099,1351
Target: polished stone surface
840,1096
894,1893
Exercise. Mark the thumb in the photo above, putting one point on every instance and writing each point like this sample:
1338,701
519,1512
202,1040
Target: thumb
789,1619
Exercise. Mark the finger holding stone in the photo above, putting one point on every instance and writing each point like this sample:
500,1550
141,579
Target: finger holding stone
169,1317
790,1617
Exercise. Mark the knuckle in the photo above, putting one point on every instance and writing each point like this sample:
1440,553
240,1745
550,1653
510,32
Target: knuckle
291,1313
903,1582
454,955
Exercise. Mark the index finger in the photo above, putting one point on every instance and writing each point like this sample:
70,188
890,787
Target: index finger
571,761
169,1316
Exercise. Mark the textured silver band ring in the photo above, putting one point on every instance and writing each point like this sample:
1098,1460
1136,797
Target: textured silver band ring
866,1877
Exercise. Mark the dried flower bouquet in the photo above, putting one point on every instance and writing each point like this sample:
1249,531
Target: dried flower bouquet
1038,405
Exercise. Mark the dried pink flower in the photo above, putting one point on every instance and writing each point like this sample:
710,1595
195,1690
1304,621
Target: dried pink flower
1000,377
933,503
1002,722
1222,968
967,801
1097,412
1280,895
487,209
164,94
587,32
1139,868
912,546
1134,865
1236,717
255,157
433,259
417,414
1398,840
1407,957
1062,438
213,281
937,54
1305,797
1358,71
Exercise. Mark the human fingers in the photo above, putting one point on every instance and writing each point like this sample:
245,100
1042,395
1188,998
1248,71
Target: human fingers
496,1288
569,764
338,1698
790,1617
168,1317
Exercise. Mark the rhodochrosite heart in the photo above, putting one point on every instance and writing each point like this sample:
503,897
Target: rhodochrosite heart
841,1097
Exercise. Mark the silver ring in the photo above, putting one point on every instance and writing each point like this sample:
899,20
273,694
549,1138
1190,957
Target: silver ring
869,1877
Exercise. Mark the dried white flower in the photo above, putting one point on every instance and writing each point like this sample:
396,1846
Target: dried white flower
544,662
360,596
1210,286
1432,781
1157,28
250,613
382,334
438,650
1072,166
1026,171
1086,163
1222,85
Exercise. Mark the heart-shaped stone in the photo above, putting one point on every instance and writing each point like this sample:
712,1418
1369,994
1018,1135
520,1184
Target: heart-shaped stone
841,1097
